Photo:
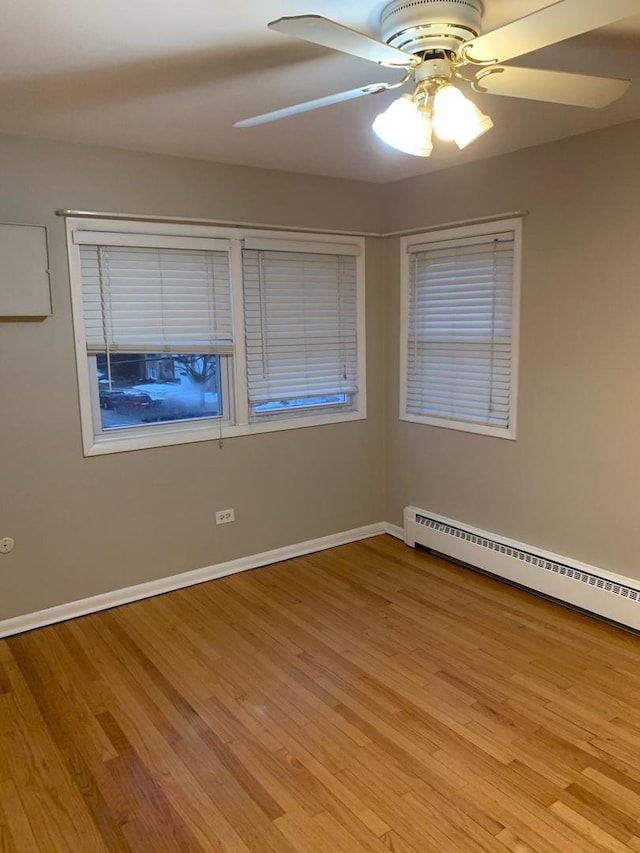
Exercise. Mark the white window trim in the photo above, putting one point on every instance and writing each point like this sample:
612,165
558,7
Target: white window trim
163,435
474,230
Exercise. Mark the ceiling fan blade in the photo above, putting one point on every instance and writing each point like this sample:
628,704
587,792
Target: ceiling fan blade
319,30
557,87
555,23
312,105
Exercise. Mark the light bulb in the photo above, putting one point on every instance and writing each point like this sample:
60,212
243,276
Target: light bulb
405,126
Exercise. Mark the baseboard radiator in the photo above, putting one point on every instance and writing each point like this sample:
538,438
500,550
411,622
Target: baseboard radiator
601,592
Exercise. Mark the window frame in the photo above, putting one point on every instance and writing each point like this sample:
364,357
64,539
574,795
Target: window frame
457,233
236,421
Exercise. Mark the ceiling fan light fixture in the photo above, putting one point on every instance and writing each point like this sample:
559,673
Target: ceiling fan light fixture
405,126
432,40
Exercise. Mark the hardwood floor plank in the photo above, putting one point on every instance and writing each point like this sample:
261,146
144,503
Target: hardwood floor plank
591,831
614,787
156,823
63,802
257,831
603,814
512,842
16,835
537,826
215,746
396,844
366,699
455,829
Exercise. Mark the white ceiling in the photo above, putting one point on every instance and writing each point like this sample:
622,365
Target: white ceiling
172,77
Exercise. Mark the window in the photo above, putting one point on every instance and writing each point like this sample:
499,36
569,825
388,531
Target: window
460,297
188,333
301,328
157,320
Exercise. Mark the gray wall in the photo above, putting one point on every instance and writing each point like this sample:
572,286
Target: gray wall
86,526
571,481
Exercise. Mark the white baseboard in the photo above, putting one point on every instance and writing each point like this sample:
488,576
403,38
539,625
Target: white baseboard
593,595
393,530
73,609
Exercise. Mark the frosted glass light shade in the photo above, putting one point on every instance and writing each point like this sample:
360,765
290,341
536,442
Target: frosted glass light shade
457,119
406,127
448,112
477,125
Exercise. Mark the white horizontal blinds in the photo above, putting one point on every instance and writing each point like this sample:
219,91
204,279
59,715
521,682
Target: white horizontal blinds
301,324
460,329
153,299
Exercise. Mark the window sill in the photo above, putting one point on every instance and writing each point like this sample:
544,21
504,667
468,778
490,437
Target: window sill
167,437
462,426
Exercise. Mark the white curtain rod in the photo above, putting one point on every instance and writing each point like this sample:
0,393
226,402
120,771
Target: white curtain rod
183,220
441,226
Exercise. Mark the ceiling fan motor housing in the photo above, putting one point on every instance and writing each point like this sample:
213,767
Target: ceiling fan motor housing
416,26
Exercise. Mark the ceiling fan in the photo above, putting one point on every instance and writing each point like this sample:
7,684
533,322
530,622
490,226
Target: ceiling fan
438,44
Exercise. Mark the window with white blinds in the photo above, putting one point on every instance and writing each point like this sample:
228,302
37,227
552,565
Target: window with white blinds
460,337
188,332
155,299
301,328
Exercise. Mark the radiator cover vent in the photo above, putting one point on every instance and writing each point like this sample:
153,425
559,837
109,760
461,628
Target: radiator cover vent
526,557
587,587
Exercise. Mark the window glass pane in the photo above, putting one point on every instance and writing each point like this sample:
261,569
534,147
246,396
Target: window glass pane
137,389
278,406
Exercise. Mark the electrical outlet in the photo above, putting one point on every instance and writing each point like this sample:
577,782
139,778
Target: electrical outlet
6,544
224,516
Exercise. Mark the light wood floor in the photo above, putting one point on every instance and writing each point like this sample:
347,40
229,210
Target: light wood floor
368,698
